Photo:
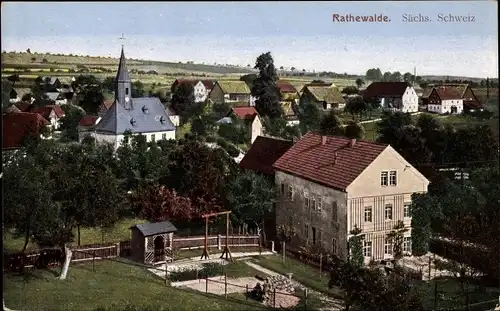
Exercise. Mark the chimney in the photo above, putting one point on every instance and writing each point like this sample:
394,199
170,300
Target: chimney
323,140
352,142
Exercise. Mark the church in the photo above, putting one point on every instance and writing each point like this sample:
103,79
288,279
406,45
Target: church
145,115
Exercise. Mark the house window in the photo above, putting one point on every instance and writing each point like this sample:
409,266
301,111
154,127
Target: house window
126,91
384,178
282,189
388,246
164,136
392,178
334,211
407,244
320,203
334,246
367,248
153,138
406,210
290,192
306,199
320,236
388,212
368,214
313,203
306,231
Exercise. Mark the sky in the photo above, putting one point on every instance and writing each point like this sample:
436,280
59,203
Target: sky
299,34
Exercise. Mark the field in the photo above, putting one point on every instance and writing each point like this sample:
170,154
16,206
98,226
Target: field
113,285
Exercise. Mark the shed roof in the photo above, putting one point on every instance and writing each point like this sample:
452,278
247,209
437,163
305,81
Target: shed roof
330,95
154,228
234,87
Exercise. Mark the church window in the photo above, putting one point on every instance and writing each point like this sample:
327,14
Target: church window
126,91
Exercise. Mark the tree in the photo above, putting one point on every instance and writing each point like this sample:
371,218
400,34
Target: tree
356,106
138,89
183,102
373,74
279,128
397,238
330,124
391,126
354,130
69,123
350,90
359,83
6,88
236,132
250,196
249,79
356,257
109,84
13,79
408,77
309,116
158,203
395,76
264,88
90,93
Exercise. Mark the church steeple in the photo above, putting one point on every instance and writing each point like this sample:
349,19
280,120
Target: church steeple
123,88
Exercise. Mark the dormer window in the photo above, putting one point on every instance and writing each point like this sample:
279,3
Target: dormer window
126,91
144,109
162,120
133,122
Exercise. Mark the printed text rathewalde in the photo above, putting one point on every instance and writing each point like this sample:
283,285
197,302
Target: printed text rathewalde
349,18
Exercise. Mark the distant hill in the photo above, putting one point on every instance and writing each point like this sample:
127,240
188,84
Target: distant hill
473,79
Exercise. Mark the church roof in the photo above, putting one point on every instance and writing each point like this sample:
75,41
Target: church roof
147,115
122,74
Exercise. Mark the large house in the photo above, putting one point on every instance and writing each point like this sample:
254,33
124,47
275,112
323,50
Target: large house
232,92
330,185
322,96
17,126
202,88
444,99
288,92
395,96
251,118
144,116
470,100
52,113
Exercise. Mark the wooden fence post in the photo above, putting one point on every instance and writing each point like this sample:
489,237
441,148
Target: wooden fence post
283,250
206,283
247,291
225,285
305,298
320,265
166,269
93,261
429,268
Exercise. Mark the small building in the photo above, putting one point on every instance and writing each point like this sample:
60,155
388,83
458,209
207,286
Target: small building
324,97
52,113
395,96
230,92
444,99
251,118
201,88
152,242
57,97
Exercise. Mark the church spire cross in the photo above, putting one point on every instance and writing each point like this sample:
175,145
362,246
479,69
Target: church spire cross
122,38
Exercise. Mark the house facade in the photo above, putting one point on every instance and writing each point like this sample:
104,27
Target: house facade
58,98
252,120
444,99
232,92
395,96
52,113
329,185
469,99
325,97
202,88
145,116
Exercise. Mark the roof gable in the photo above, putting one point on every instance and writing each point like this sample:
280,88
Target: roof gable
244,113
285,87
330,95
335,164
149,229
263,154
386,89
234,87
447,93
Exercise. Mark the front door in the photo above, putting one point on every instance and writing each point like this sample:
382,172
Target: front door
314,235
159,249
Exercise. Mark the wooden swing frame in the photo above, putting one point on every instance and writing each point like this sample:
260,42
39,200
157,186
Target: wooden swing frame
226,251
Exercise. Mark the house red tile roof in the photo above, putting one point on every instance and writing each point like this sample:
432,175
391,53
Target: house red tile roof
285,87
335,164
47,110
245,113
385,89
17,126
25,107
263,153
209,84
448,93
88,120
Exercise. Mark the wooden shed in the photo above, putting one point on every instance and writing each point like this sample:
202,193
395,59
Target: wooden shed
152,242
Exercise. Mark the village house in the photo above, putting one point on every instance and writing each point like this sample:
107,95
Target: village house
16,95
324,97
470,101
329,185
288,92
144,116
174,117
18,126
232,92
87,124
395,96
52,113
249,116
444,99
202,88
58,98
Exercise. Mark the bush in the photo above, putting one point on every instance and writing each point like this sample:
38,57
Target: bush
222,142
232,150
45,60
211,139
207,270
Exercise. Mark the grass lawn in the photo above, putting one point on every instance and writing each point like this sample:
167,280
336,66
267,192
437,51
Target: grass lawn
113,285
450,296
302,273
13,242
